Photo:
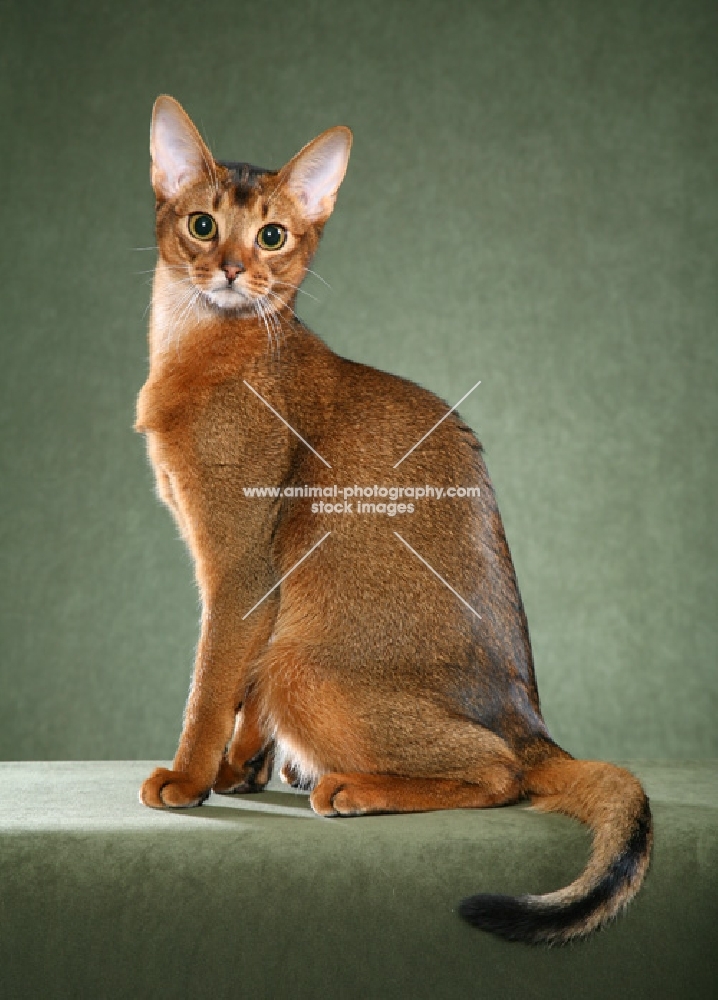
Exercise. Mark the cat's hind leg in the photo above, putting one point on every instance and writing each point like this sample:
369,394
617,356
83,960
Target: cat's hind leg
247,764
438,762
364,794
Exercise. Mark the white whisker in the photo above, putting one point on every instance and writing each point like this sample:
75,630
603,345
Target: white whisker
179,299
257,306
189,307
169,267
278,312
318,275
279,328
276,322
282,303
268,325
274,317
302,291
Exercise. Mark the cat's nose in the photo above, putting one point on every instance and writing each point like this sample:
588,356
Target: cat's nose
232,269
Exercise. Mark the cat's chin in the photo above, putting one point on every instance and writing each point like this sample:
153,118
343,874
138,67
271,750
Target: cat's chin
229,300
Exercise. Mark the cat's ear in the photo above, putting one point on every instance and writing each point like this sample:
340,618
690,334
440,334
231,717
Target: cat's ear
179,156
314,175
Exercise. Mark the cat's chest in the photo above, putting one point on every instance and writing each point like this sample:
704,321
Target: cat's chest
167,403
168,410
210,425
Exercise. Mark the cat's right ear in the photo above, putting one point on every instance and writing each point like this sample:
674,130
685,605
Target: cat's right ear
179,156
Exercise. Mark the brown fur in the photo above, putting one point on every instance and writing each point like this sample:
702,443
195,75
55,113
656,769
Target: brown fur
373,681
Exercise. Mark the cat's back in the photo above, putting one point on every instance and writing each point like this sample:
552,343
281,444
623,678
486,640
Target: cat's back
369,420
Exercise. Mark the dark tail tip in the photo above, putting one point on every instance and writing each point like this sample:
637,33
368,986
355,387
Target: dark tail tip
510,917
536,920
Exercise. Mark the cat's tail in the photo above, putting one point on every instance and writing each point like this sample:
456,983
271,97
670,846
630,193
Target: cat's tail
612,803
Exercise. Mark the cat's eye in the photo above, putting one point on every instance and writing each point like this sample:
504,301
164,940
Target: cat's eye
272,236
202,226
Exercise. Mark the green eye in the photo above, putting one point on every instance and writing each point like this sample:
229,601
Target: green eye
272,236
202,226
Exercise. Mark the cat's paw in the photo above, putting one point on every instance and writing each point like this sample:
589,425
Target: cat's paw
291,776
338,795
165,789
252,776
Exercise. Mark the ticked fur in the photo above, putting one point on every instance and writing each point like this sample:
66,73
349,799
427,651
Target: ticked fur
355,665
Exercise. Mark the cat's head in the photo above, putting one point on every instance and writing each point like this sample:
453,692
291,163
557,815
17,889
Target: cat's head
235,238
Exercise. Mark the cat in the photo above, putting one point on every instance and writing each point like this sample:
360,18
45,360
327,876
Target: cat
383,655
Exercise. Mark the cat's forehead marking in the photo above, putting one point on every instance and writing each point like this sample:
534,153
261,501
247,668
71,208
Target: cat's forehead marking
244,179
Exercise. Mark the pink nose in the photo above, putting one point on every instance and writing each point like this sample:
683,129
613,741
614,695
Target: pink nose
232,269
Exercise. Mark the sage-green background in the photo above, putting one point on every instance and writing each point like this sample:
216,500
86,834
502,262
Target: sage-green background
531,202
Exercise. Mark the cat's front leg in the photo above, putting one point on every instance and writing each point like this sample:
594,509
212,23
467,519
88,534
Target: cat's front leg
227,645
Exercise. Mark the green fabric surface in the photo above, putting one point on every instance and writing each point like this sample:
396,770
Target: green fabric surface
531,201
257,897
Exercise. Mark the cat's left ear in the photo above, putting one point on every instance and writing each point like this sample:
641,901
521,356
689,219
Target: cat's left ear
314,175
179,156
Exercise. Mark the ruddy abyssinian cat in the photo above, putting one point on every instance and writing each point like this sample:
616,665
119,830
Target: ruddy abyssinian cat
390,669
